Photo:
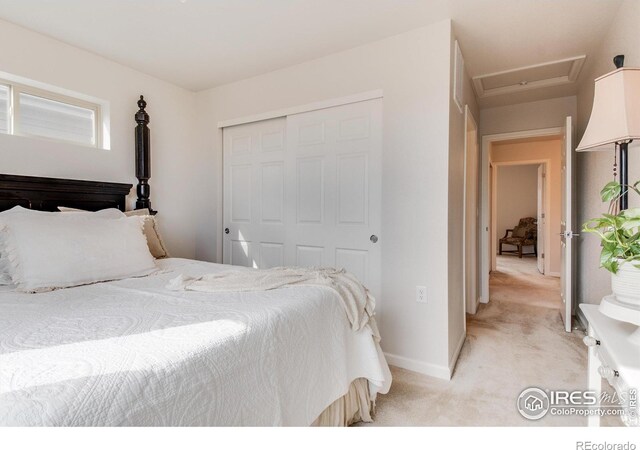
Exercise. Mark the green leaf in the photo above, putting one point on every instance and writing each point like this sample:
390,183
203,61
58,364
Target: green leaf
619,233
609,246
611,265
610,191
630,224
631,213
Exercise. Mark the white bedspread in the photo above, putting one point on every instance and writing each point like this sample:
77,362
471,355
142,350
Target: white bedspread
131,352
358,303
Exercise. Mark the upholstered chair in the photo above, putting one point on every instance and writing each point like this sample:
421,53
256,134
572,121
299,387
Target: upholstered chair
523,235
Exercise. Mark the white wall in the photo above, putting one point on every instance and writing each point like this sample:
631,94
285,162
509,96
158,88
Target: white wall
174,155
527,116
517,196
594,169
413,70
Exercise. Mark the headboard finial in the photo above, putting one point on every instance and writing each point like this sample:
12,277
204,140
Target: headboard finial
143,157
141,116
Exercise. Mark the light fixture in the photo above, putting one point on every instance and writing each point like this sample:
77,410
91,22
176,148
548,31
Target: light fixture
615,117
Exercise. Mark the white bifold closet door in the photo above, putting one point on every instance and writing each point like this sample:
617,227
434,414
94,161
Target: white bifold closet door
305,190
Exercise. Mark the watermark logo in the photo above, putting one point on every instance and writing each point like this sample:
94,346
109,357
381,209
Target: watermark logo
533,403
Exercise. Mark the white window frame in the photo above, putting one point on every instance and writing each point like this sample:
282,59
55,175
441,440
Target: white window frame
15,89
9,109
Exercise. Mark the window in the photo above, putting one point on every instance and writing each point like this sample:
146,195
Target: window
27,111
40,116
4,109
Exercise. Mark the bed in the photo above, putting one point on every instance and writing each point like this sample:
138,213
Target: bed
131,352
135,353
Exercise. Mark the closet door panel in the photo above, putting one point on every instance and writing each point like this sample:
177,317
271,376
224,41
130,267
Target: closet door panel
336,184
305,190
254,160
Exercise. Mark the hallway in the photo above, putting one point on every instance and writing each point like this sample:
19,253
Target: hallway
515,341
518,281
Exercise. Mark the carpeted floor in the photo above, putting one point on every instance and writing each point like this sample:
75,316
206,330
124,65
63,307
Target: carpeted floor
515,341
518,281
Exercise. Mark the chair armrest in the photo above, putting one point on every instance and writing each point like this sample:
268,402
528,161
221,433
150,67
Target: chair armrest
510,230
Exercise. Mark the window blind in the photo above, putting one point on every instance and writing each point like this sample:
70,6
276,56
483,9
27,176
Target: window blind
4,109
43,117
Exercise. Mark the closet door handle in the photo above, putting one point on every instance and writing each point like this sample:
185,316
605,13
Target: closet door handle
373,238
226,231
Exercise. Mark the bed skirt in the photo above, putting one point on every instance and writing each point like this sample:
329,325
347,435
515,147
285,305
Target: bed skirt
355,406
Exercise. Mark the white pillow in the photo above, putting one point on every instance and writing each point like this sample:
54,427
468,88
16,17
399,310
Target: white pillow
108,213
5,276
150,228
152,232
49,251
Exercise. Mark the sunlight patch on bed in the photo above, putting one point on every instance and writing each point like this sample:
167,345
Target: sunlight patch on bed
155,351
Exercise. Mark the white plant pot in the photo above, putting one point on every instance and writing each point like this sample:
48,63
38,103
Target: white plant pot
624,304
626,285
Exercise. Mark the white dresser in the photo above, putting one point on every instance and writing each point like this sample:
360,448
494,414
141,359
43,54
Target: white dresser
613,357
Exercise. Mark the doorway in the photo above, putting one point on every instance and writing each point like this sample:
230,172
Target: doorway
518,209
548,155
520,271
521,201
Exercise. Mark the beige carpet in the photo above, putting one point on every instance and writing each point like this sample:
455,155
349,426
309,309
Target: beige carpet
518,281
515,341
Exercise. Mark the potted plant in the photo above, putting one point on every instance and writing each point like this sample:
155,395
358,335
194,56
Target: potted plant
619,233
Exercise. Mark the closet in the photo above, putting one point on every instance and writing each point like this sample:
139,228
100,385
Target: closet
305,190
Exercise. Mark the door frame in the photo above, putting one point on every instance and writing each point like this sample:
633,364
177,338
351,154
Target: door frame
485,212
542,207
307,107
547,206
470,305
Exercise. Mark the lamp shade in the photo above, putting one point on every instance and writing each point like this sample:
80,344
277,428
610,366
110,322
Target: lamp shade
615,116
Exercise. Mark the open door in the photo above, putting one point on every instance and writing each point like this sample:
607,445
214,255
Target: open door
470,214
541,217
566,224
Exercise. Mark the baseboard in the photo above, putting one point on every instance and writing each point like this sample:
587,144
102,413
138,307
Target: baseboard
456,354
476,306
554,274
432,370
581,317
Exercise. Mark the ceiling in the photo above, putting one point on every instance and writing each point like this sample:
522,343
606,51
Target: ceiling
200,44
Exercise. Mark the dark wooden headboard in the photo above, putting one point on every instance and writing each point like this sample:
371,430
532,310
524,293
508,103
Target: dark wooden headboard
46,194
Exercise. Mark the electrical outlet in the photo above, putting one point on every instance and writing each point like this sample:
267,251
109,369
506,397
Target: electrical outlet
421,294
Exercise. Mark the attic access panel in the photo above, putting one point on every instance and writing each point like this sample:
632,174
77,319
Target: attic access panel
555,73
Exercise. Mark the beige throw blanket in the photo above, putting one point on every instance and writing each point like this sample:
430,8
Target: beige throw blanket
356,299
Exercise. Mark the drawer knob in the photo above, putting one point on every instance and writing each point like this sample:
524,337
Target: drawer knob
590,341
607,372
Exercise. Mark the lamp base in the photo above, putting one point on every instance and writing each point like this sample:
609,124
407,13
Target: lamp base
610,306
